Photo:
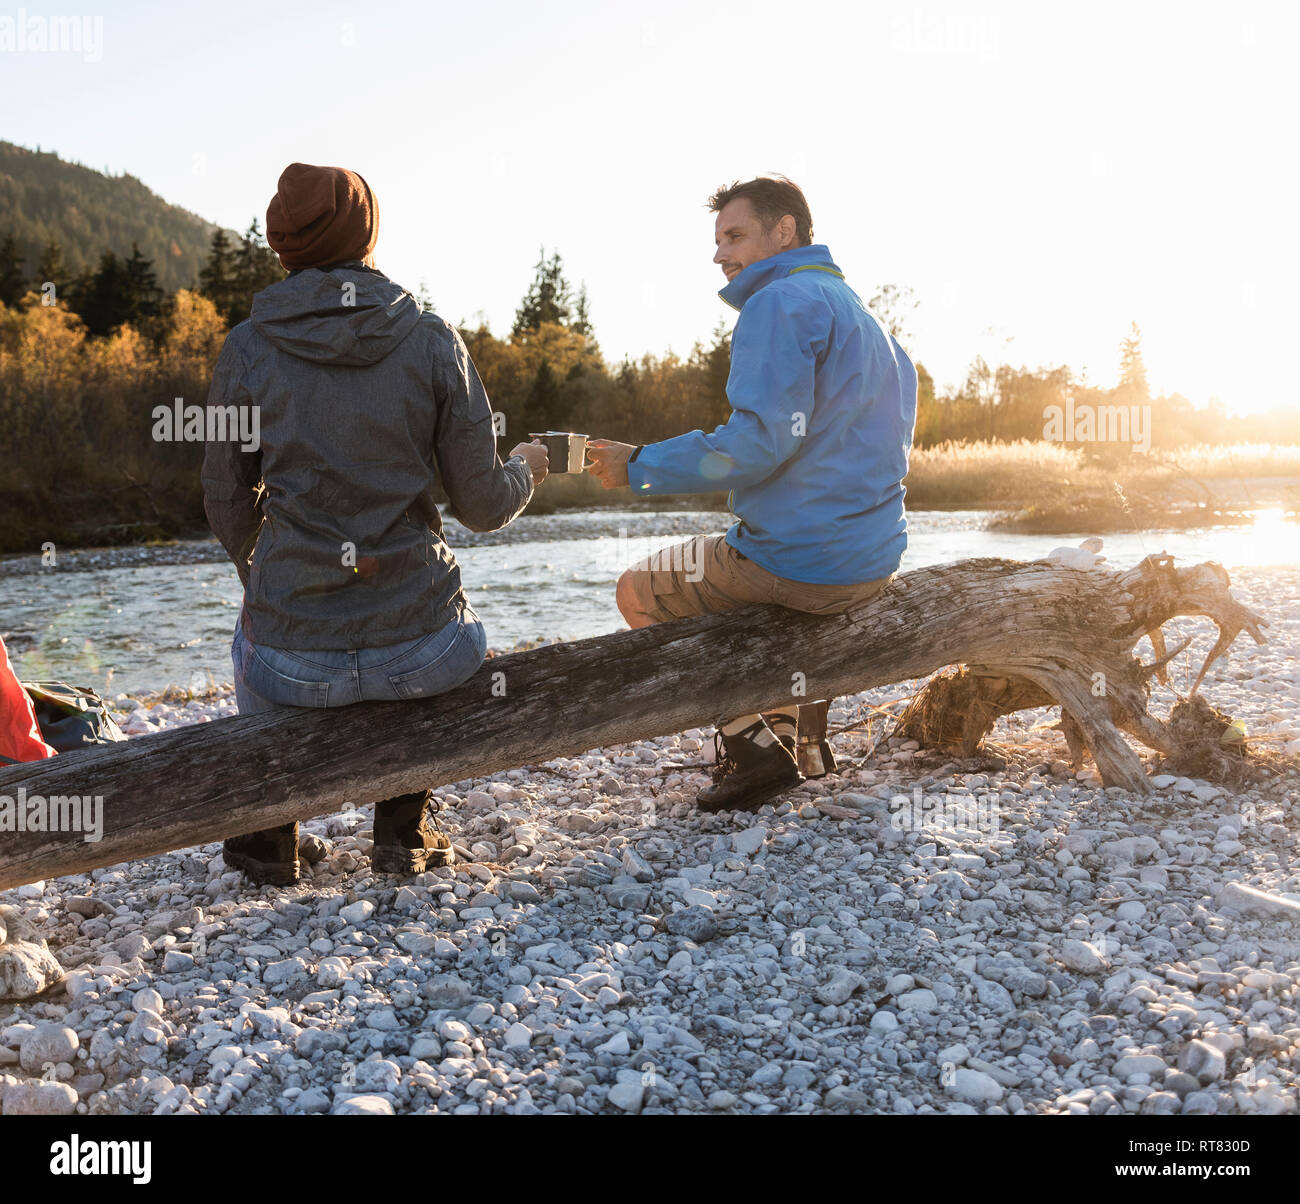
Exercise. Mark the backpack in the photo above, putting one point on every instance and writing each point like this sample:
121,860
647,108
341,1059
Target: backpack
71,717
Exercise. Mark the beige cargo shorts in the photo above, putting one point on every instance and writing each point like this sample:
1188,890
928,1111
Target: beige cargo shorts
706,575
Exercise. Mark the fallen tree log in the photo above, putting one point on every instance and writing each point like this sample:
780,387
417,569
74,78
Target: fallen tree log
1049,630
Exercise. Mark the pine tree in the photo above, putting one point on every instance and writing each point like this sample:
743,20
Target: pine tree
105,299
1133,387
545,408
217,279
549,297
256,267
51,268
581,322
13,273
144,297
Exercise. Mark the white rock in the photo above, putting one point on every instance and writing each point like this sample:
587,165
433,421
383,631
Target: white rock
1081,957
38,1099
518,1037
839,987
974,1085
425,1048
332,972
748,842
47,1042
1202,1061
920,1000
617,1044
455,1030
1132,1064
627,1096
147,999
358,912
956,1054
363,1105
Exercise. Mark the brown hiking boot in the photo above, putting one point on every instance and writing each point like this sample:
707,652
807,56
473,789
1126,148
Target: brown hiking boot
814,754
268,858
407,837
748,774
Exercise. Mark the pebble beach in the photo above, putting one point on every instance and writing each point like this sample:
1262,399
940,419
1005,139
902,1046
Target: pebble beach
909,935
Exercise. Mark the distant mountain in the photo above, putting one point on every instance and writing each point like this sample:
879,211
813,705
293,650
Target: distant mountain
88,213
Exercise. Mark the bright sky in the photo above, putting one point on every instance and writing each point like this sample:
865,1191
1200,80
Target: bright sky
1040,174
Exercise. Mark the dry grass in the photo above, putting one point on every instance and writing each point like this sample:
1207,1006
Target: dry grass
1015,474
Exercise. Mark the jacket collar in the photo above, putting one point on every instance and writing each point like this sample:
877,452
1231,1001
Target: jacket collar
762,273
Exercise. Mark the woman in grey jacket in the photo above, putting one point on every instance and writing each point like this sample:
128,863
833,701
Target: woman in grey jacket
361,404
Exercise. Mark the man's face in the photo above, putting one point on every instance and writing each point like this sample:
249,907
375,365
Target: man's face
742,240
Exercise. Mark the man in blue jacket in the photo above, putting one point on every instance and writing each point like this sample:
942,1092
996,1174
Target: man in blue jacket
823,404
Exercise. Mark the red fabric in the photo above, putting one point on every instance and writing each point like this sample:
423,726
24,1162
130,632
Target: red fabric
20,735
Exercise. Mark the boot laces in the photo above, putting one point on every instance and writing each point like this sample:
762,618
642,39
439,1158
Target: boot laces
432,805
726,763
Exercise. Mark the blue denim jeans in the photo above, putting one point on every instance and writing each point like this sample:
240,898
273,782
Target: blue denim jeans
270,679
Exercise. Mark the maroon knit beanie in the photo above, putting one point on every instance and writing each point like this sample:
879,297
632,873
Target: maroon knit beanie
320,216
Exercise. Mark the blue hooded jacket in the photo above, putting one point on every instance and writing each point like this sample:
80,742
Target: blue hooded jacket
823,404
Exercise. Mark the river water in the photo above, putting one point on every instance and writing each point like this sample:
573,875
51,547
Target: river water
142,627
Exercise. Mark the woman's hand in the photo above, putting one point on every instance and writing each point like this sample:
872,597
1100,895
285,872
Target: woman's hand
539,462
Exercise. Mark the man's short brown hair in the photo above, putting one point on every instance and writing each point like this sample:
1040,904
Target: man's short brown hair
772,197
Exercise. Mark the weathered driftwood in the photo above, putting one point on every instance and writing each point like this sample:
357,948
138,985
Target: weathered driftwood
1038,627
1090,671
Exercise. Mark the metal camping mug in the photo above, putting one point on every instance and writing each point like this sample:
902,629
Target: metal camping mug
566,450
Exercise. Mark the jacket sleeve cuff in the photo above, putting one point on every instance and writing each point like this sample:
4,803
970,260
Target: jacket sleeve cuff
636,472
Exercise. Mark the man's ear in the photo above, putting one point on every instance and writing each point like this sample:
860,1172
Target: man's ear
786,230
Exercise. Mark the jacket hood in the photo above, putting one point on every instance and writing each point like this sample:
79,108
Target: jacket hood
313,315
816,257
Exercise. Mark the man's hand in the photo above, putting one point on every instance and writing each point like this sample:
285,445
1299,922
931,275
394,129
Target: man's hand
609,461
539,462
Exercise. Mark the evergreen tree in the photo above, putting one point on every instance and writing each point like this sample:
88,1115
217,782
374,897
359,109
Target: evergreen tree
256,267
1133,387
104,300
13,273
217,280
144,297
51,268
549,298
581,322
545,408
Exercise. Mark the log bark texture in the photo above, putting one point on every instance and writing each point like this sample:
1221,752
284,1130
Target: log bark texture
1042,630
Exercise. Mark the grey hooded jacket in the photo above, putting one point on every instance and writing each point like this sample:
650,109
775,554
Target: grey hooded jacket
364,404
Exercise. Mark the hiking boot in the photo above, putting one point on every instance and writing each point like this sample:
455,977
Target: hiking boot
407,837
814,754
748,774
268,858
